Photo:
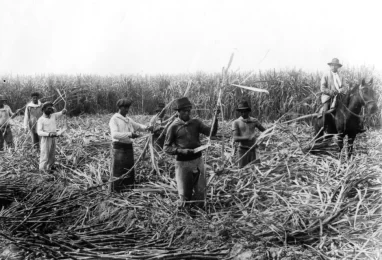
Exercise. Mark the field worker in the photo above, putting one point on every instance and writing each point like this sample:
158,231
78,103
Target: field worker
47,130
159,122
123,130
244,132
182,138
33,112
6,115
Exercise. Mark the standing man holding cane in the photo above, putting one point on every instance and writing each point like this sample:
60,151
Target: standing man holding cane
182,138
33,112
47,130
123,130
6,115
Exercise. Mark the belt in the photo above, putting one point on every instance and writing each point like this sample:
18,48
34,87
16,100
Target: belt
122,146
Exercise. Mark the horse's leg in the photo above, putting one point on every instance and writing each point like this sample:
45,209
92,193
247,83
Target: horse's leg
331,127
351,139
318,129
340,141
325,108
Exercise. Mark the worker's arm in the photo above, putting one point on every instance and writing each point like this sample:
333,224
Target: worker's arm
169,143
60,114
206,130
324,86
116,134
236,133
259,126
40,130
140,127
11,114
239,138
26,117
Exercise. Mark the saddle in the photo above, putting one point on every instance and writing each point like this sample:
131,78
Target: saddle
333,106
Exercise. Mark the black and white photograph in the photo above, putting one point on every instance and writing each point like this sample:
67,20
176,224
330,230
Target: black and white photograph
179,129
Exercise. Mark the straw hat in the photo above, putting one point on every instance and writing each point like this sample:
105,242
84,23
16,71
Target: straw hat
181,103
160,106
46,105
124,102
335,61
243,105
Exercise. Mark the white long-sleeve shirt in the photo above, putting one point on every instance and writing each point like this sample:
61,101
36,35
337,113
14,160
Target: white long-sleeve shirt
5,114
337,80
121,128
46,125
32,113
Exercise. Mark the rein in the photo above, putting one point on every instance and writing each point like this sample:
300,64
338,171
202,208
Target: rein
363,99
364,103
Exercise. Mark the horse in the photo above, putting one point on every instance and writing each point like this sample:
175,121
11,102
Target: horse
345,119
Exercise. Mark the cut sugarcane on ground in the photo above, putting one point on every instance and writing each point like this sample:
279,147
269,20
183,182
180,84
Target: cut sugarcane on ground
291,206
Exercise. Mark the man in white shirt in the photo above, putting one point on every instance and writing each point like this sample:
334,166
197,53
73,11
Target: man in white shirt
33,111
6,115
332,83
47,130
123,130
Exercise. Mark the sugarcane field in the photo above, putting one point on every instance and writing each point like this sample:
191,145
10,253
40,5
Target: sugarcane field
190,130
300,198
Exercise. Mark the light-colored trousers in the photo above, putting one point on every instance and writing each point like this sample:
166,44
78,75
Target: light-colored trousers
48,151
191,180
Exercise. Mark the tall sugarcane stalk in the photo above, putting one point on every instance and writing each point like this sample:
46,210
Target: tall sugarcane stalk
169,122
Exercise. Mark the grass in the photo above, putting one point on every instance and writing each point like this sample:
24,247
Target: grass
291,206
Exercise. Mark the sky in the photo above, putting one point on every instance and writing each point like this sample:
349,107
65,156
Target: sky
168,36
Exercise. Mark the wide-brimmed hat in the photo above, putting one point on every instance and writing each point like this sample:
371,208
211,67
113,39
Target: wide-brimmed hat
160,106
335,61
2,97
35,94
243,105
182,103
124,102
46,105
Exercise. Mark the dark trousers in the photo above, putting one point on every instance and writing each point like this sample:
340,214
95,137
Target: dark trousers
122,161
35,140
6,136
249,157
325,107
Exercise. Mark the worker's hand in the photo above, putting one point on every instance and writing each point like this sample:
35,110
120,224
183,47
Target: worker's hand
252,137
158,131
333,92
342,90
134,135
18,111
185,151
149,128
53,134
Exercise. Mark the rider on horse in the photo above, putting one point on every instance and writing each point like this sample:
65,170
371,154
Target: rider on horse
332,83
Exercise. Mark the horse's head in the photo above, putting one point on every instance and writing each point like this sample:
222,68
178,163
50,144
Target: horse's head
365,95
